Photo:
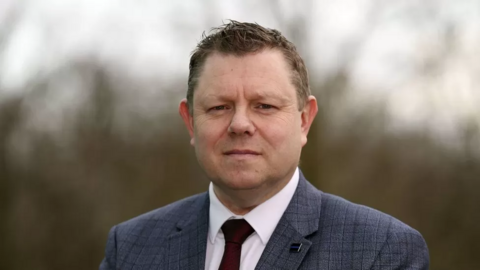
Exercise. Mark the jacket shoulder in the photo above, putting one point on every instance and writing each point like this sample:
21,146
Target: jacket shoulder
126,239
389,241
339,211
165,217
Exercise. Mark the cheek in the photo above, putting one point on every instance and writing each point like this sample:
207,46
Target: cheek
208,133
281,134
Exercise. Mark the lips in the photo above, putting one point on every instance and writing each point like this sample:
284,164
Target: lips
241,152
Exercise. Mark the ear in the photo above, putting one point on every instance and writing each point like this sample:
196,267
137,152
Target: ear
187,119
308,114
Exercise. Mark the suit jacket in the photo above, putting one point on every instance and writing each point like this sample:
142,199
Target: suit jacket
334,233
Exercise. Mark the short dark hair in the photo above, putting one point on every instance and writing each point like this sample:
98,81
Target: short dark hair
240,38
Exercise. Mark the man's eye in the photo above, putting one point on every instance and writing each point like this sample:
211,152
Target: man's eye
265,106
218,108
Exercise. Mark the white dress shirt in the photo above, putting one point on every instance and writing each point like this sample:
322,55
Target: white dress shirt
263,218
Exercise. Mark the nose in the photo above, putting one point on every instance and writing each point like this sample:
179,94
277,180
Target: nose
241,123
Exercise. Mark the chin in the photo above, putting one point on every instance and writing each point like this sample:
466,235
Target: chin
243,181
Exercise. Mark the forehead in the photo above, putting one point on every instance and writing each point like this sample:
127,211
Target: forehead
265,72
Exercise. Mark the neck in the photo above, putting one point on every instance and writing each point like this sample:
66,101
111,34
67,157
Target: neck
241,202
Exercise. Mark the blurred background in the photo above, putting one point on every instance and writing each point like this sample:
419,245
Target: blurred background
90,135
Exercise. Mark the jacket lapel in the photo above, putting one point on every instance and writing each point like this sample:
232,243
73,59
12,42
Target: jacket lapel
298,222
187,246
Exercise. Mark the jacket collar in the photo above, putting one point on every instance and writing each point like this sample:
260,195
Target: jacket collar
303,212
300,220
188,244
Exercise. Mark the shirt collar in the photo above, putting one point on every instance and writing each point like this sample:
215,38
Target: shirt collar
263,218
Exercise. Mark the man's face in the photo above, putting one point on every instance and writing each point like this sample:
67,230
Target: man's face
246,127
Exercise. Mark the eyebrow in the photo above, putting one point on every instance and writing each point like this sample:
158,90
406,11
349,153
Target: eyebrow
254,96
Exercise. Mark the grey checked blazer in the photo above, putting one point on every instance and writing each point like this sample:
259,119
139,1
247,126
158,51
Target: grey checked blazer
334,233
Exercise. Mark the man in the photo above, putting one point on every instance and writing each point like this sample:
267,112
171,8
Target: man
248,111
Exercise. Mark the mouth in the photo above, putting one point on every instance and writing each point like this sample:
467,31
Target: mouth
241,152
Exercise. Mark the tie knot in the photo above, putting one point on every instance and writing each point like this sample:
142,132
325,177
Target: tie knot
236,230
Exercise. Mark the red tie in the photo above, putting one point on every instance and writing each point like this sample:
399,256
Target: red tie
236,231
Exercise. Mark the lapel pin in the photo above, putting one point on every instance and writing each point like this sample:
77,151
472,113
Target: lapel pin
295,247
